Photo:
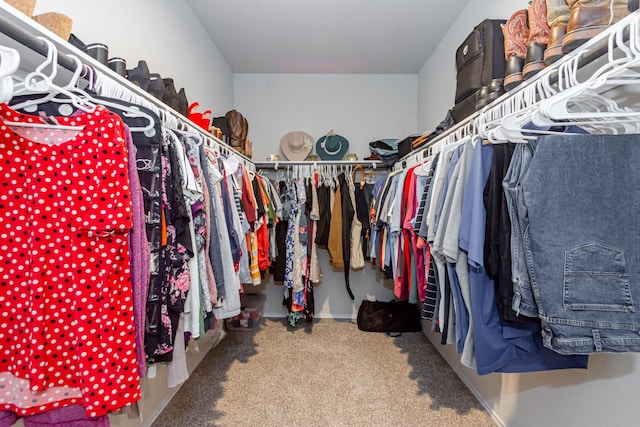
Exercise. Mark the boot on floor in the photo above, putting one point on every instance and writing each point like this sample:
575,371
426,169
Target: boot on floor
516,35
538,38
558,12
589,18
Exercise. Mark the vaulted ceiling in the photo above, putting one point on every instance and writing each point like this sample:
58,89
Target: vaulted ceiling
326,36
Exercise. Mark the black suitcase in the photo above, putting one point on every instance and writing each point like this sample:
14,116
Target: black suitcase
479,61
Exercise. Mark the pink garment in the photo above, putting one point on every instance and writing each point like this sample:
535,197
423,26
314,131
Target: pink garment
404,273
411,202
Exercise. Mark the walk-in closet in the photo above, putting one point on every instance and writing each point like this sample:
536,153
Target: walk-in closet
203,203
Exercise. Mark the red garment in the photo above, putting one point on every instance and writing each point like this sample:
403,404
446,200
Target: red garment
262,233
408,231
421,267
66,299
405,251
248,198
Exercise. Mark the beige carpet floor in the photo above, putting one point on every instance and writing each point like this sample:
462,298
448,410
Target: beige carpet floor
323,374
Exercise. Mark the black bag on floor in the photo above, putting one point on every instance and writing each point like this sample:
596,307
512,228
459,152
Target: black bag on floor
479,61
389,317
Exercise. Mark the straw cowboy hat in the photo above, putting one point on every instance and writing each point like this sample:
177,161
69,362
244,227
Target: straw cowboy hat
296,145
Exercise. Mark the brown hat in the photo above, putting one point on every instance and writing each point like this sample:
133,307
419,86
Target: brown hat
296,145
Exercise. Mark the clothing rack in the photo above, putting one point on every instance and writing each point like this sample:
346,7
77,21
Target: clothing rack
595,49
20,32
275,165
326,169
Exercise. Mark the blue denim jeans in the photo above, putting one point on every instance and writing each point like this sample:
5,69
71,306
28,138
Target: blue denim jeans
581,242
523,299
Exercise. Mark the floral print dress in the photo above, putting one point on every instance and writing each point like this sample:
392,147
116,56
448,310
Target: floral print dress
175,254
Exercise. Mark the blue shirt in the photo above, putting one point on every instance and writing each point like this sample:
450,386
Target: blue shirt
498,347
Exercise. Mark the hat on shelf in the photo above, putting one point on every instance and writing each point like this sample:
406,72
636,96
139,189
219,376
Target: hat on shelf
58,23
24,6
332,146
296,145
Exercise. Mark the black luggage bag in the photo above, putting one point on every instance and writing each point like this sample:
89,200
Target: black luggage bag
480,65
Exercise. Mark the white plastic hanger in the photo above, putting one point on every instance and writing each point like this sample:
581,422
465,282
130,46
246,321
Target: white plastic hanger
128,110
48,61
31,104
39,82
112,89
72,88
512,126
105,86
616,72
505,121
425,165
9,63
490,118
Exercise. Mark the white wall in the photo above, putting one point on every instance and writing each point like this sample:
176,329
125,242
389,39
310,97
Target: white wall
361,108
605,393
165,33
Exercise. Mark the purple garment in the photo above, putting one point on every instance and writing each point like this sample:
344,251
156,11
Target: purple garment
8,418
139,253
67,416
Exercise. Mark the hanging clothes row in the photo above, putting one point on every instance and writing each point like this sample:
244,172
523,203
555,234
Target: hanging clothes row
326,206
122,234
525,276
